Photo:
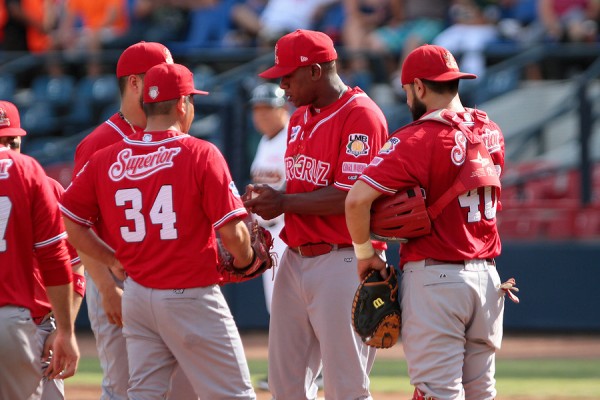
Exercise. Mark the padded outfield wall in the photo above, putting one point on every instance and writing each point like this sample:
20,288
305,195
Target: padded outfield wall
559,283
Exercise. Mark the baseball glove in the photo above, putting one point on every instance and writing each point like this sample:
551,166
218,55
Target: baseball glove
262,243
376,310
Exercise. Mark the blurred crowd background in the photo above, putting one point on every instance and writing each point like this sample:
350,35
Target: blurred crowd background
538,65
535,60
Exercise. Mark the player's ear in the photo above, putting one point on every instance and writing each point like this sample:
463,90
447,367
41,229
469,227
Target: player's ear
419,87
316,70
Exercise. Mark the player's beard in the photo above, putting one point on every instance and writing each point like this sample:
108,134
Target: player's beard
418,108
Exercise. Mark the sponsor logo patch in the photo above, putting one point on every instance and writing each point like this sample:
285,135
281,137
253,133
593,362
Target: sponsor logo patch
376,160
389,146
353,168
358,144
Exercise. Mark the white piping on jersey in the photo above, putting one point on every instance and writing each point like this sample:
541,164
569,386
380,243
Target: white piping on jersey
116,128
75,261
228,216
376,185
342,186
55,239
73,216
354,97
167,140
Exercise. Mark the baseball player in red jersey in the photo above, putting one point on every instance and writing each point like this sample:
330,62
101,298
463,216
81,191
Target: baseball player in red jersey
162,194
104,290
452,305
30,227
332,137
41,311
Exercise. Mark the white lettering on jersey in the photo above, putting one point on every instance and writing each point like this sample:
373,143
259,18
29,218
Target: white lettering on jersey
4,166
142,166
353,168
459,151
358,144
491,139
307,169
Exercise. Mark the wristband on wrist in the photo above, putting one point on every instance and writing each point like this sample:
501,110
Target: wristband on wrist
363,250
79,284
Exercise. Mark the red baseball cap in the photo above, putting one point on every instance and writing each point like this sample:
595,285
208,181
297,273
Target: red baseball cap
168,82
10,122
433,63
140,57
299,49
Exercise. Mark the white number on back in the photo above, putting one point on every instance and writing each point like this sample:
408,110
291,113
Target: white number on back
161,214
5,208
471,200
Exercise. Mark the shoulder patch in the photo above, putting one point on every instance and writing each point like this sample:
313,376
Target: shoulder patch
389,146
358,144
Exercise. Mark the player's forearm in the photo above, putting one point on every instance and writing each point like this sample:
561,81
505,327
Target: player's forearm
358,211
326,201
99,273
61,299
77,298
236,239
86,241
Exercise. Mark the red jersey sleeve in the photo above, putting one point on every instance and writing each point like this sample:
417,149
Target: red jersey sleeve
363,134
79,201
222,200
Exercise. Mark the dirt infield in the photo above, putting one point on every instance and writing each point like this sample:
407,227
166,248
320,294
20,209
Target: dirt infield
514,347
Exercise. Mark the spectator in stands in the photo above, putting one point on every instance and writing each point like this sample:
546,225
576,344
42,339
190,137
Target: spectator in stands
208,25
518,22
86,25
153,21
29,24
413,23
361,17
473,27
274,18
569,20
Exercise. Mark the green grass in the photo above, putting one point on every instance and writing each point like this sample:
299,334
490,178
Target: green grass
532,379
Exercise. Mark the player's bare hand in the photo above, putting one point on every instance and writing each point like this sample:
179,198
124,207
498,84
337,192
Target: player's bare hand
48,346
65,356
111,302
373,263
117,269
248,194
264,201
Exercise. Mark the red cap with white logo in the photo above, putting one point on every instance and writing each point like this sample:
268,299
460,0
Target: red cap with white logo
10,122
299,49
168,82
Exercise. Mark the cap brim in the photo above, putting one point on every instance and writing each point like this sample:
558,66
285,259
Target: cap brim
277,71
195,91
9,132
450,76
